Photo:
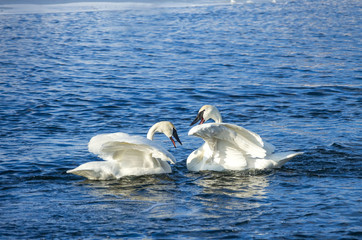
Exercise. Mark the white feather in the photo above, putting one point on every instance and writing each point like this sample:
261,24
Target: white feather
109,146
124,155
231,147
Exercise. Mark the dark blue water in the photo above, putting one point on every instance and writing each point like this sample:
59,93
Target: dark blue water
290,71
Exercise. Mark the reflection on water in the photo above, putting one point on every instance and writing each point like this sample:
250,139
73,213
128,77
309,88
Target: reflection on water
198,195
149,188
162,187
234,184
232,190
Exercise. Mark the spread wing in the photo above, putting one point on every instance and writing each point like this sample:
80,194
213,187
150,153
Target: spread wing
252,138
232,140
134,150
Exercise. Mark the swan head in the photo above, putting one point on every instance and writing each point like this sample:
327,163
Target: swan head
166,128
207,112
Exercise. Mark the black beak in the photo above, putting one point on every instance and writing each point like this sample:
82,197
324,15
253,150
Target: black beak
199,117
174,134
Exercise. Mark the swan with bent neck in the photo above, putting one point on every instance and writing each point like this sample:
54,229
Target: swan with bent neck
125,154
231,147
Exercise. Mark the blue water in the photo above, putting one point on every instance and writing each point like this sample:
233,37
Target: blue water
290,71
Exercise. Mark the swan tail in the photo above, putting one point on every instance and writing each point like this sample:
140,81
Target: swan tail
275,160
281,158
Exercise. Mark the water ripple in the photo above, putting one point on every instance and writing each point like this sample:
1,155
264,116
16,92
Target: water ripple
288,70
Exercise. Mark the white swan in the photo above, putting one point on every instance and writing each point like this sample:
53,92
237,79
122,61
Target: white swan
230,147
128,155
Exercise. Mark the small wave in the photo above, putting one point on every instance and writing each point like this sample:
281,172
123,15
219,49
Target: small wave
332,85
336,160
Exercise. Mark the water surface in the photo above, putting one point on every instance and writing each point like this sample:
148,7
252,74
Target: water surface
289,70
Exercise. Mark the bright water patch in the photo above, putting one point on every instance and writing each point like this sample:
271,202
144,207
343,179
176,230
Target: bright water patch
289,71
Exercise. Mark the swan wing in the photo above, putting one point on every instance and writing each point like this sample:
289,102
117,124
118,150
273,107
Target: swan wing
96,142
232,138
125,155
220,151
253,140
229,155
124,150
201,160
121,146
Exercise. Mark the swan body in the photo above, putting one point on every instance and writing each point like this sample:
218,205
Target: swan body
231,147
125,154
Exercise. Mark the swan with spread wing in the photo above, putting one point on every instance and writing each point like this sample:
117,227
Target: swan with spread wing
230,147
126,154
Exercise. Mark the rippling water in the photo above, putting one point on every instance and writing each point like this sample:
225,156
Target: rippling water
290,71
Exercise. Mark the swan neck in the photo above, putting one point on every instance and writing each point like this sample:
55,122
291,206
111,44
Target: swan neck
151,132
217,116
218,120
